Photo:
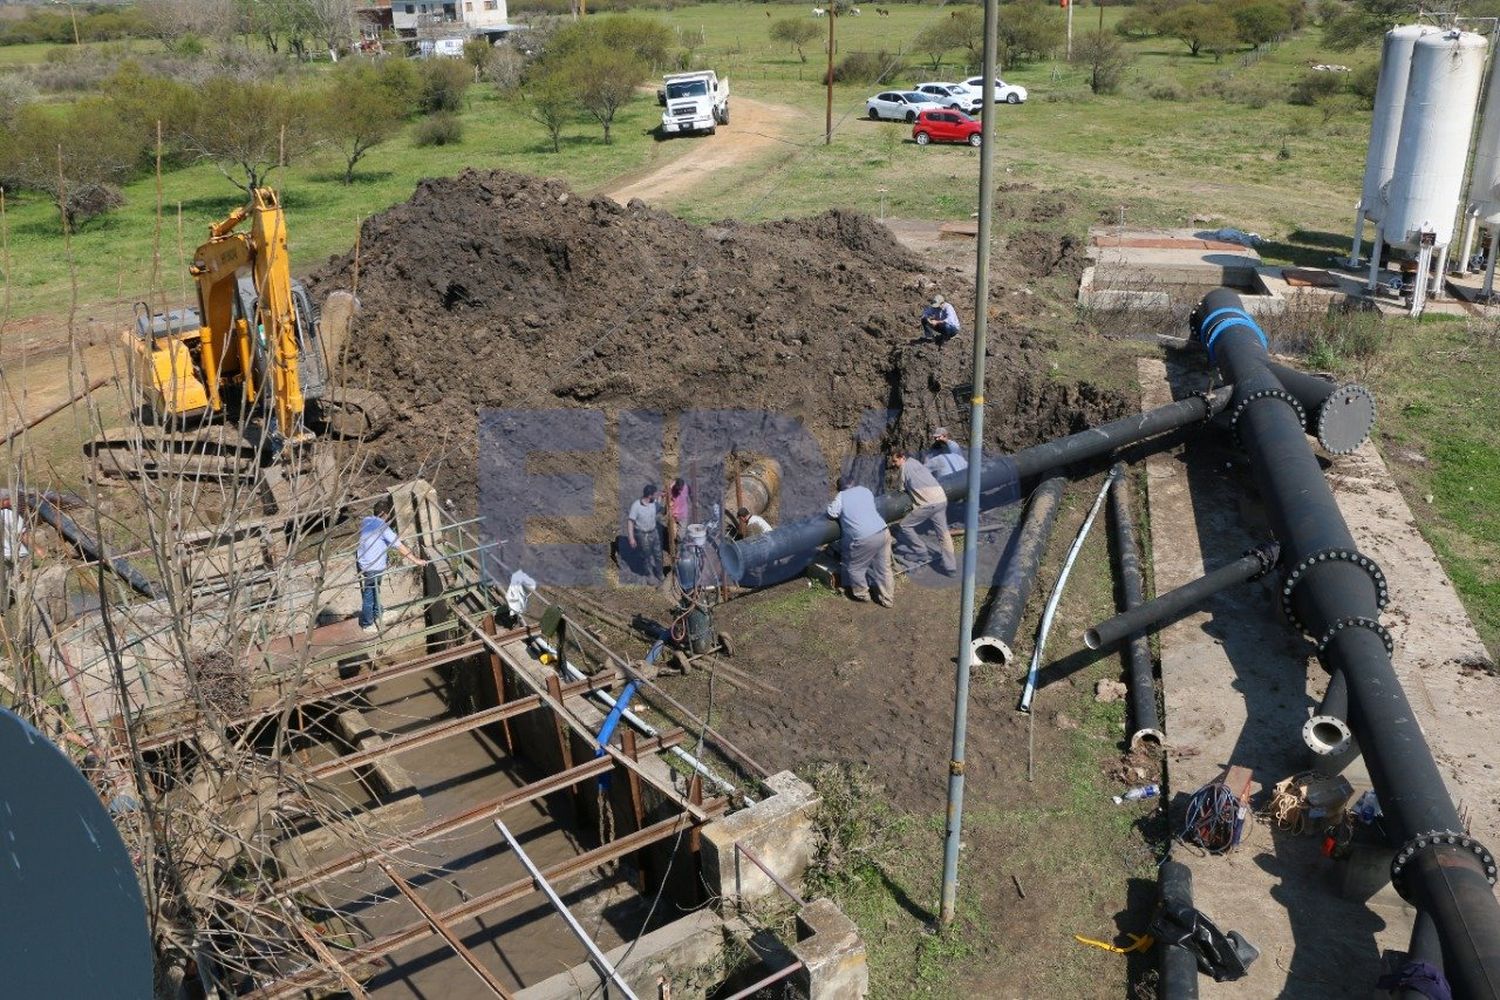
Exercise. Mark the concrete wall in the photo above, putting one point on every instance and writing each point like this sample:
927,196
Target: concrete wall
778,829
696,940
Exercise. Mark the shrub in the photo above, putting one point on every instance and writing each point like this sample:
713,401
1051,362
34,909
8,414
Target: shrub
1250,93
1166,90
1107,59
1362,83
1312,87
867,67
444,83
441,129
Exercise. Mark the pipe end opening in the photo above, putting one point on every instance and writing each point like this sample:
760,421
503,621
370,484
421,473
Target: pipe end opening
987,649
1091,639
1327,735
1147,739
729,558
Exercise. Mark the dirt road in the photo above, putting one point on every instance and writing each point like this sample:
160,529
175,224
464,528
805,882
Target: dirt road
755,128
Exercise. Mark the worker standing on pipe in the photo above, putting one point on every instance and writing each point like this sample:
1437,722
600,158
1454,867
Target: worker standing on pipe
376,539
867,544
931,509
939,320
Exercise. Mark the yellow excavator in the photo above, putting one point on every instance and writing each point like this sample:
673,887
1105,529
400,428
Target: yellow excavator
233,384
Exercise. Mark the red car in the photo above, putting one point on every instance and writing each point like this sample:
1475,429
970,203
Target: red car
945,126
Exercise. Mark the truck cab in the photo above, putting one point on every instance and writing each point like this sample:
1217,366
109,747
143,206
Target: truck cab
693,102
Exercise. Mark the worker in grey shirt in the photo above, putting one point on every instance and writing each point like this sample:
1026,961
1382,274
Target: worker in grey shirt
643,535
930,509
867,544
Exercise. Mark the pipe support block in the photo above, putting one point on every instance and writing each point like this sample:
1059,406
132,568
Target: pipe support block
1431,841
1297,574
1365,623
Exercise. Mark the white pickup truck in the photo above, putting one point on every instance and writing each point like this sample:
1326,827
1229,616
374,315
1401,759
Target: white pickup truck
693,102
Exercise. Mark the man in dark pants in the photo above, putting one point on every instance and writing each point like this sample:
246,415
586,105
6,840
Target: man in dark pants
939,319
643,535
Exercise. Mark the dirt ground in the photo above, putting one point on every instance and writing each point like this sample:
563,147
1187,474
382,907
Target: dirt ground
755,129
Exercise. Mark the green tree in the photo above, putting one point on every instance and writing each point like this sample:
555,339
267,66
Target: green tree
796,32
444,83
647,39
354,114
1261,22
937,40
1028,31
76,156
550,102
604,79
477,53
1107,59
1201,27
246,128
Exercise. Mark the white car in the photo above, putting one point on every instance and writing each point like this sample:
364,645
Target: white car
1010,93
954,96
901,105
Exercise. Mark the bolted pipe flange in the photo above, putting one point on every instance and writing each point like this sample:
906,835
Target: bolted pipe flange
1438,838
1298,573
1269,554
1345,419
1259,394
1365,623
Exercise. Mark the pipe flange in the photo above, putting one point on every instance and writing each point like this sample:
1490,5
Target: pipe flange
1256,396
1345,419
1365,623
1298,573
1207,395
1438,838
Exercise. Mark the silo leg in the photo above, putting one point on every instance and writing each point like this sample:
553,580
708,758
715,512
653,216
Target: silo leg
1489,263
1468,248
1359,233
1440,274
1375,249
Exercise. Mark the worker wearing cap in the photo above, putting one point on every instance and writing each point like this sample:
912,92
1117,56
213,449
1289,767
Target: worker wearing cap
946,456
867,544
939,319
371,552
930,508
642,534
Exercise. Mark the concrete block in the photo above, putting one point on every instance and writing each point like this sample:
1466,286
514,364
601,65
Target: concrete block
778,828
835,966
695,941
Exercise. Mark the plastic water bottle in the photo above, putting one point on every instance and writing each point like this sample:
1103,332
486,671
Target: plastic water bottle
1136,794
1367,808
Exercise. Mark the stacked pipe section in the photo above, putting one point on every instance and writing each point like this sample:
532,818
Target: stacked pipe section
1334,593
1138,666
1001,478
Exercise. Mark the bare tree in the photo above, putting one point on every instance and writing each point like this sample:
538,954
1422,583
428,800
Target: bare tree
174,20
332,23
246,128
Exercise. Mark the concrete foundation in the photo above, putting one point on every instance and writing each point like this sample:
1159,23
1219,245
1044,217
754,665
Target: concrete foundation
778,829
835,966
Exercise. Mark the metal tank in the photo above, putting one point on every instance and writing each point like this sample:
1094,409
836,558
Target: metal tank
1385,125
1438,120
1484,178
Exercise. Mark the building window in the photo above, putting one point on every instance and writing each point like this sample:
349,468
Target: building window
469,6
491,4
411,8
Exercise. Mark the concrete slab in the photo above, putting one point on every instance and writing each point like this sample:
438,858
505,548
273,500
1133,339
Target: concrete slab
1239,683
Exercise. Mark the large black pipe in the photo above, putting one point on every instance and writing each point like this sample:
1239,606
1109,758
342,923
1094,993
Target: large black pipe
1138,669
89,547
1178,962
1339,416
1167,608
1335,593
1005,473
994,634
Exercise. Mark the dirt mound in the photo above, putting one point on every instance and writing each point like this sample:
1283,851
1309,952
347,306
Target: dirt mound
502,290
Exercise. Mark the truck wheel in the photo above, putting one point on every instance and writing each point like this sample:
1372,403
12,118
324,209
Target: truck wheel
712,129
725,119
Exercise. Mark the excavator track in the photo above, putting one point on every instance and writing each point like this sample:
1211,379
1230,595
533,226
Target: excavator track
213,451
352,414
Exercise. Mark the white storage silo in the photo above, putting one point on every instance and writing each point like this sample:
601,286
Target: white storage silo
1484,177
1385,125
1421,200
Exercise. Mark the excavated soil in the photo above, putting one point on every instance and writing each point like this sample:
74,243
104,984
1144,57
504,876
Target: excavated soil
494,289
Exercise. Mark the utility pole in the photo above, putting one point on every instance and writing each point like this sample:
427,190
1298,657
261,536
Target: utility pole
954,833
833,13
1069,4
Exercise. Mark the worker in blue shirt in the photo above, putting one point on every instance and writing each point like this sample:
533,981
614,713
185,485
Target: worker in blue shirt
946,456
867,544
939,319
376,539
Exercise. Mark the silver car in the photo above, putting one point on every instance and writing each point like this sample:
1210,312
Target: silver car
954,96
901,105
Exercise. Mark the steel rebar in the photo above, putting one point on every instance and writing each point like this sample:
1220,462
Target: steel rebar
996,633
1334,593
